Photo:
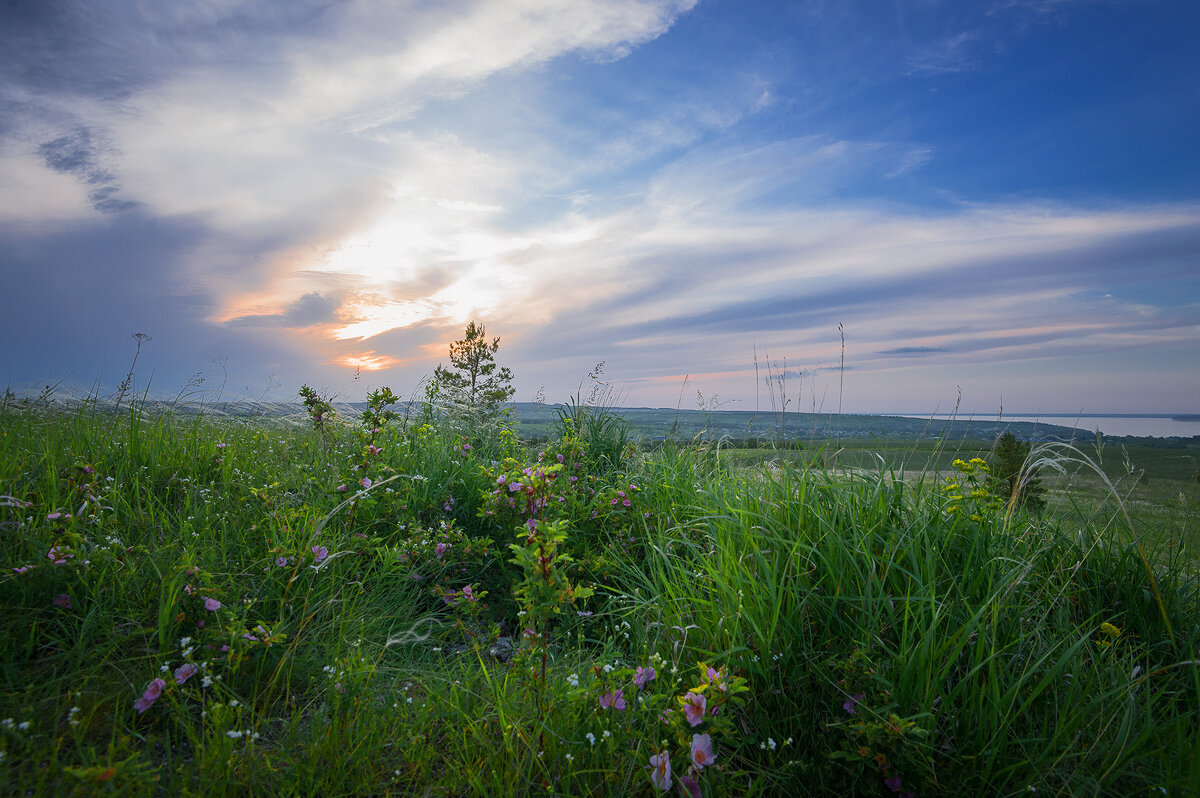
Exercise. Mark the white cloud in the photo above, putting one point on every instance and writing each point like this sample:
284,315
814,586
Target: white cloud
32,194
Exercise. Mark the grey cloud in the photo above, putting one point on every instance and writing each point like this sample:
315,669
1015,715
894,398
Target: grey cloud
312,308
78,154
913,351
72,299
111,49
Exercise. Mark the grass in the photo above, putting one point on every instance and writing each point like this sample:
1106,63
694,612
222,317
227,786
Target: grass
861,640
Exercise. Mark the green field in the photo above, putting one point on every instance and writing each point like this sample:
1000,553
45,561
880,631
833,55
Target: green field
201,603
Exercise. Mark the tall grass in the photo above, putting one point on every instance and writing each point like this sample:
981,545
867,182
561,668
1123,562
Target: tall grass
887,646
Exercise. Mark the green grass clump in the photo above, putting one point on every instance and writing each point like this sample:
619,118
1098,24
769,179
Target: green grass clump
205,606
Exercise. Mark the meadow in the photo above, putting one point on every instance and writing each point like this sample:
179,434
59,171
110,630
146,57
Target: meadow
429,604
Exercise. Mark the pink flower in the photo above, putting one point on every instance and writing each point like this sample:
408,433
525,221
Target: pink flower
660,771
688,786
694,707
440,549
319,553
852,702
342,489
614,700
702,751
365,482
281,562
644,675
63,600
373,449
468,594
151,694
211,604
59,555
23,568
185,672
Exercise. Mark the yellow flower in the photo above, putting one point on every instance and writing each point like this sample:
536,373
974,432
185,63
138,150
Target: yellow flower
1110,630
979,493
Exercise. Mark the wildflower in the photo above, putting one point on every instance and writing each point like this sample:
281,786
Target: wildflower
694,707
1110,630
613,700
894,783
373,449
660,771
851,703
688,786
281,562
440,549
63,600
23,568
150,695
185,672
342,488
702,751
319,553
643,676
365,482
591,738
59,556
211,604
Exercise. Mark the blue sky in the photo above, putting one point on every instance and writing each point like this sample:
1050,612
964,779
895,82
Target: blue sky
1000,198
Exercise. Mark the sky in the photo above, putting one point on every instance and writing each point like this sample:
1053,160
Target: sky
864,205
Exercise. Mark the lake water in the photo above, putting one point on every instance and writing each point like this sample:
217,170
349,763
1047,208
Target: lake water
1141,426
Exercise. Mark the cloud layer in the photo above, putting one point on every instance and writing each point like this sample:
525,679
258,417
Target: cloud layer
313,188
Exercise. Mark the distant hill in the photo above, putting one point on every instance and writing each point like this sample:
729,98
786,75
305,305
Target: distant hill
650,424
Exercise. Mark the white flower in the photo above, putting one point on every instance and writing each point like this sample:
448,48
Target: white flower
591,738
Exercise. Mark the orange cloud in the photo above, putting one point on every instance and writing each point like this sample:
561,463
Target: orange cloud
367,361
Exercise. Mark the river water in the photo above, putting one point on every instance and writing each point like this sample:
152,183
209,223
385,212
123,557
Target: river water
1141,426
